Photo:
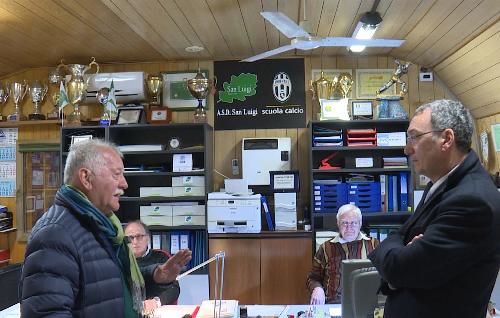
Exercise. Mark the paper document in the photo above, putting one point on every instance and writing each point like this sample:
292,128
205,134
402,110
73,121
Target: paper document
228,308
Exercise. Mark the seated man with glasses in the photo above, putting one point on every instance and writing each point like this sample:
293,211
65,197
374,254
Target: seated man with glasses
137,234
324,279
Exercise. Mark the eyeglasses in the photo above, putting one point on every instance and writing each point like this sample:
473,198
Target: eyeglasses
138,237
351,224
412,139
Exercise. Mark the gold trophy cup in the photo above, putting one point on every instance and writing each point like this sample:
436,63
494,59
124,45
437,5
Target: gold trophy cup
345,84
154,85
76,88
322,87
199,87
4,95
157,114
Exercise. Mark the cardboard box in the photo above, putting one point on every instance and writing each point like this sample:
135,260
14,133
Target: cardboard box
157,220
286,220
180,220
188,210
155,192
156,215
155,210
188,181
188,191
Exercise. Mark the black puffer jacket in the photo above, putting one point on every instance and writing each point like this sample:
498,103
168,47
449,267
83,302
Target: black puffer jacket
70,269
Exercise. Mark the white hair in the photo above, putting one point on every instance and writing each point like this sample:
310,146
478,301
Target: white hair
349,207
88,154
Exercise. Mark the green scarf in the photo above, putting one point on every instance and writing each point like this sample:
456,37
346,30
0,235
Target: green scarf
110,225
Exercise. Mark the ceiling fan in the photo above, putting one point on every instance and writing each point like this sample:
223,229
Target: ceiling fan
304,41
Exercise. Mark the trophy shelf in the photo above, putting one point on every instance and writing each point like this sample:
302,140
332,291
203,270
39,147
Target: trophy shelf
21,123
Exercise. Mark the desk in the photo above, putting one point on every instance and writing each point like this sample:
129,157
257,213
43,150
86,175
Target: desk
281,311
13,311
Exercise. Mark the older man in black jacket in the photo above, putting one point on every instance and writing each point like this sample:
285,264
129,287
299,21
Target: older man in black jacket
77,263
444,260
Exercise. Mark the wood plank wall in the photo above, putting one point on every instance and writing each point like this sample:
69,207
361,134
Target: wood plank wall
227,144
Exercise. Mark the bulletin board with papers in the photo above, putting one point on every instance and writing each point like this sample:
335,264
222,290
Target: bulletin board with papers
8,141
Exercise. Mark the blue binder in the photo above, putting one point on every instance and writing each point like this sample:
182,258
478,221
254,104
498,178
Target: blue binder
403,186
269,219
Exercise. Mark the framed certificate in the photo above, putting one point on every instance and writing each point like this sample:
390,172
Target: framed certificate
130,115
368,81
284,181
77,139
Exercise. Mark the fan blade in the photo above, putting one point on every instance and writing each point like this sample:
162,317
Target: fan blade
284,24
269,53
339,41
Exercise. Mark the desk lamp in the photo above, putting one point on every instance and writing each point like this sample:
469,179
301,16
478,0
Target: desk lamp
219,263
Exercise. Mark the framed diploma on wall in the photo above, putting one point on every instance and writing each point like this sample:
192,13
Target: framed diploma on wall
368,81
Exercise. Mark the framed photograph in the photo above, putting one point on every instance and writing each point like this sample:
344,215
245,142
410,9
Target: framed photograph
77,139
362,109
130,115
175,92
368,81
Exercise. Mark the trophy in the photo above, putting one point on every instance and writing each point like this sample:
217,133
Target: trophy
55,80
4,95
102,96
17,92
322,88
199,87
390,106
37,93
157,114
76,88
345,84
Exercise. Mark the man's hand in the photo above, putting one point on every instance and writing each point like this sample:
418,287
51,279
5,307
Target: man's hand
168,271
318,296
415,239
150,305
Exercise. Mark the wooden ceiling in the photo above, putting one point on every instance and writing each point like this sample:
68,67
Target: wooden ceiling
458,39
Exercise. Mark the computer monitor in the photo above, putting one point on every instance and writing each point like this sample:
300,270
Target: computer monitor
348,266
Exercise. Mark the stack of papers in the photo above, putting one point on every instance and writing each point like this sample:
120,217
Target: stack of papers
228,308
131,148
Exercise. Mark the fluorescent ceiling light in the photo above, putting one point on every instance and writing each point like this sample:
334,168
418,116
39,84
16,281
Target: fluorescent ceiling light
365,29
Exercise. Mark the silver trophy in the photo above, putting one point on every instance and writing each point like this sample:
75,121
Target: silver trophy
17,92
55,79
4,95
37,94
102,96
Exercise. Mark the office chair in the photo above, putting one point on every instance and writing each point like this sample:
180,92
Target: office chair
364,286
9,280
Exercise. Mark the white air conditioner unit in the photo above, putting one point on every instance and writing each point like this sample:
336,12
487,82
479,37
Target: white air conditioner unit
129,86
261,155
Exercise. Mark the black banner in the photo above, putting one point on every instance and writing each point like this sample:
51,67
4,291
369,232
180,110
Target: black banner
261,94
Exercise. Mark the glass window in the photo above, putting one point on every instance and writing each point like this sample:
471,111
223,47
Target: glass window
40,182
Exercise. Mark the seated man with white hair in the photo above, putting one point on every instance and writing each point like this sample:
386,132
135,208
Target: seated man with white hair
324,279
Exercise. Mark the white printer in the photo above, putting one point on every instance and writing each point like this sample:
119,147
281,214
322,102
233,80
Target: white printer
228,213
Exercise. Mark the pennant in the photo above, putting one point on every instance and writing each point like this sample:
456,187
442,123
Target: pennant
63,97
111,104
